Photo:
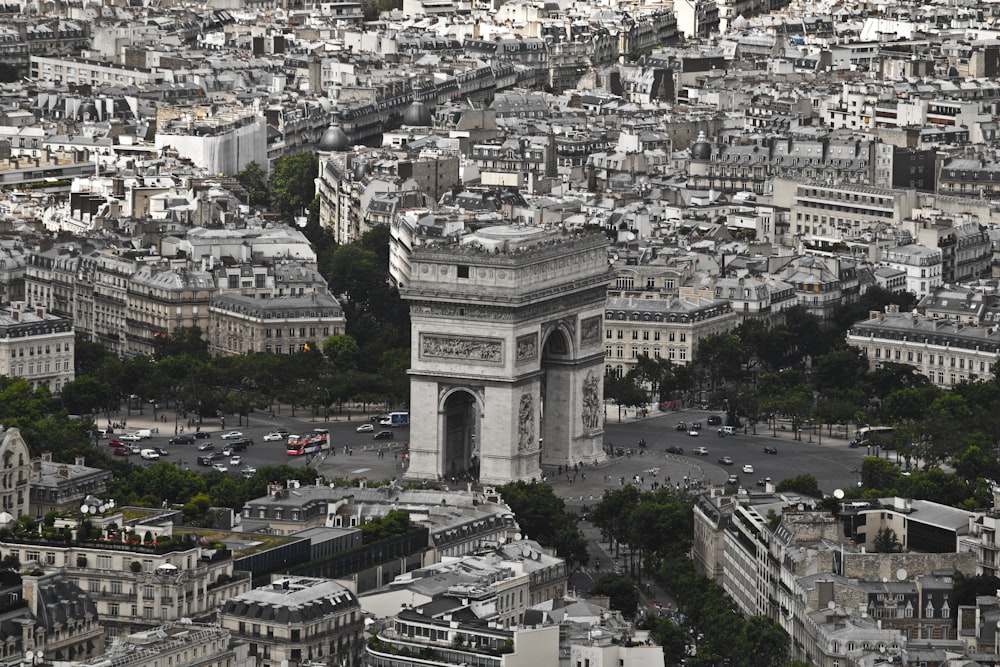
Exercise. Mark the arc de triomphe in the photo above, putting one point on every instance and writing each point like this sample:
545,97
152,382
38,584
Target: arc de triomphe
507,365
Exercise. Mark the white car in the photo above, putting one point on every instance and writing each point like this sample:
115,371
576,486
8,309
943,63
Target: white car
232,435
236,460
693,432
249,471
220,467
365,428
747,468
130,437
273,436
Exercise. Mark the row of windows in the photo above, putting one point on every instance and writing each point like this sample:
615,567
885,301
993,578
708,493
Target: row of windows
671,335
32,350
33,369
277,333
918,357
619,352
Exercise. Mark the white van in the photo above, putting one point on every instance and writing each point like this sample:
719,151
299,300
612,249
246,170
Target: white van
150,454
144,433
727,430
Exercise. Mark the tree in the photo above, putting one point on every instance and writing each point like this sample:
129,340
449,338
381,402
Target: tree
254,181
543,517
342,351
293,184
621,591
879,474
886,542
721,357
805,484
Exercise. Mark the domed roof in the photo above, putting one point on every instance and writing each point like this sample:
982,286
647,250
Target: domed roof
418,115
334,140
701,149
88,110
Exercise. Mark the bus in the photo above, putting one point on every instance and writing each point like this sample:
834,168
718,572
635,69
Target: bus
312,444
868,436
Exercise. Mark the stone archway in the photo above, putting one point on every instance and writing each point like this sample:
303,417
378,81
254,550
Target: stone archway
459,416
507,327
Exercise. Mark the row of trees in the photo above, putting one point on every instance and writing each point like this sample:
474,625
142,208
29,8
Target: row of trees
655,529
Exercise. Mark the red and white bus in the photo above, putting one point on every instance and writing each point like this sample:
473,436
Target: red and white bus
312,444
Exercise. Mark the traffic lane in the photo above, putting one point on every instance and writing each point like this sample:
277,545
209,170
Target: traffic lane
833,463
273,453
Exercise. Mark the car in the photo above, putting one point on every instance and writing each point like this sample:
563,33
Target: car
714,420
116,443
249,471
733,479
384,435
130,437
206,447
201,435
675,450
121,451
232,435
227,450
696,426
763,481
365,428
726,460
283,431
236,460
294,438
693,432
681,426
771,450
150,455
218,467
726,430
185,439
273,435
700,451
210,459
747,468
161,451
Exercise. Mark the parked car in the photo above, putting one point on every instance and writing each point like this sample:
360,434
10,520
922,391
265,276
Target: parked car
770,450
675,450
235,460
693,432
384,435
714,420
273,435
700,451
747,468
232,435
681,426
201,435
185,439
206,447
365,428
726,460
218,467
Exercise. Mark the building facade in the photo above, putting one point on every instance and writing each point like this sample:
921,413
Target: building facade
297,620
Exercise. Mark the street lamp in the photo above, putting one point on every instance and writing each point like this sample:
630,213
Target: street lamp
33,657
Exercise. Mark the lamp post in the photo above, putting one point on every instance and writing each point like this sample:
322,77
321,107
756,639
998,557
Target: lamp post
33,657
